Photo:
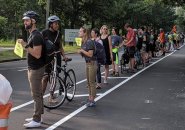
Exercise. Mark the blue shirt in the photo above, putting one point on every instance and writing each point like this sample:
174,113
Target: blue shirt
116,40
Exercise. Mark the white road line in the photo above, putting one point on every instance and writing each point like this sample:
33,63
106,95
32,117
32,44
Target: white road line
22,70
30,102
85,95
22,105
52,127
116,77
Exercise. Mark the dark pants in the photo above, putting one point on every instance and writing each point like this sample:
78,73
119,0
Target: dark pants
98,74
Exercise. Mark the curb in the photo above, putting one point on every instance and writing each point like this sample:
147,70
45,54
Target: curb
12,60
2,61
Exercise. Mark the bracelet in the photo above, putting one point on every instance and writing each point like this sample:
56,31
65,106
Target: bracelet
27,46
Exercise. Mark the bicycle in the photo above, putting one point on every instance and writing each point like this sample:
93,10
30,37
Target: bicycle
124,60
59,88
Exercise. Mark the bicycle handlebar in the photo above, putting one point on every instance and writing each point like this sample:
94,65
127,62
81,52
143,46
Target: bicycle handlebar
67,60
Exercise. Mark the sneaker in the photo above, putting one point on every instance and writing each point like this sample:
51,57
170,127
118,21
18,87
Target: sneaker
116,74
98,87
113,73
32,124
105,81
52,99
91,104
30,119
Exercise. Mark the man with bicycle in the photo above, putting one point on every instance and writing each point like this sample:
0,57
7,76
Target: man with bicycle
53,34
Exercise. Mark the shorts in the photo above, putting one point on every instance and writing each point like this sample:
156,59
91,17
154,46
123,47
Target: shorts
115,57
162,45
131,51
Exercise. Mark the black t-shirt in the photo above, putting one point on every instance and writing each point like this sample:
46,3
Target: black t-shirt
47,34
35,39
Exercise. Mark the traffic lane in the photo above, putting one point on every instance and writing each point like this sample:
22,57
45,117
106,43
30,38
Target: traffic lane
19,84
16,73
52,116
149,101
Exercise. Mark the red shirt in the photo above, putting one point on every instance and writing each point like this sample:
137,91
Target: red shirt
131,34
162,37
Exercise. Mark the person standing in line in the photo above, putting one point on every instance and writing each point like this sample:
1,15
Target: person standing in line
162,41
95,34
35,66
54,35
116,40
108,49
87,51
130,44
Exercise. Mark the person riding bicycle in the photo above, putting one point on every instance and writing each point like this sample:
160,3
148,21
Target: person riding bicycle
54,35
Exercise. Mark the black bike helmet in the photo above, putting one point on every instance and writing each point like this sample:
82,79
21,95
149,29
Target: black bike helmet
31,15
53,18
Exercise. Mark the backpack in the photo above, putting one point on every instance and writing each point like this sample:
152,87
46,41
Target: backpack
99,53
49,49
125,58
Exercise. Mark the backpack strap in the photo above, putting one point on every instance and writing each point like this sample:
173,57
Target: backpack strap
94,46
56,37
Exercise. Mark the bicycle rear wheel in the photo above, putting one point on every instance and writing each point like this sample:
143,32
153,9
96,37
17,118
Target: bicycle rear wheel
55,92
70,82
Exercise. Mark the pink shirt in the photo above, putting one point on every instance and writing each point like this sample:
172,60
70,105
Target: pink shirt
131,34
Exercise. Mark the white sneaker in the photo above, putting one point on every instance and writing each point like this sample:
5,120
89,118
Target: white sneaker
32,124
30,119
105,81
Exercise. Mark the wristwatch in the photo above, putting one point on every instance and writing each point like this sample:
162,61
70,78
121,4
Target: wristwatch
27,46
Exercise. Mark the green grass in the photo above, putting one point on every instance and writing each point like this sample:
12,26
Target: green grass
7,43
9,54
71,49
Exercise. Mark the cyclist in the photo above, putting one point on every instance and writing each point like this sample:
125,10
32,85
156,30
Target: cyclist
35,66
54,35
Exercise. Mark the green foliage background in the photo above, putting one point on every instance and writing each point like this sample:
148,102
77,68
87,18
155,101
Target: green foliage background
92,13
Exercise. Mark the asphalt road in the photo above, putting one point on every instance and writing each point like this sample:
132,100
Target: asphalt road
150,99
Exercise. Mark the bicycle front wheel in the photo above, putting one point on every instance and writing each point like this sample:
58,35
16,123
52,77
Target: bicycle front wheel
55,92
70,82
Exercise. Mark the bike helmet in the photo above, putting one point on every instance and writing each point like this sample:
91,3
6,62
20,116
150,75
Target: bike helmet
53,18
30,15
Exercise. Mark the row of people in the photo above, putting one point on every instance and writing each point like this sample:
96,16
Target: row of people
36,65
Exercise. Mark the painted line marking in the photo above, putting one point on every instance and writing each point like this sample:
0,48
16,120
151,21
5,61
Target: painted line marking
30,102
66,118
145,118
22,70
116,77
86,95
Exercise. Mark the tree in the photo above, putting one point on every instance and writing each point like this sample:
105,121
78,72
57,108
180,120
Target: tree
3,24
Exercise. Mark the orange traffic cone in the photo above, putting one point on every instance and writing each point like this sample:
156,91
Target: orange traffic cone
4,114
